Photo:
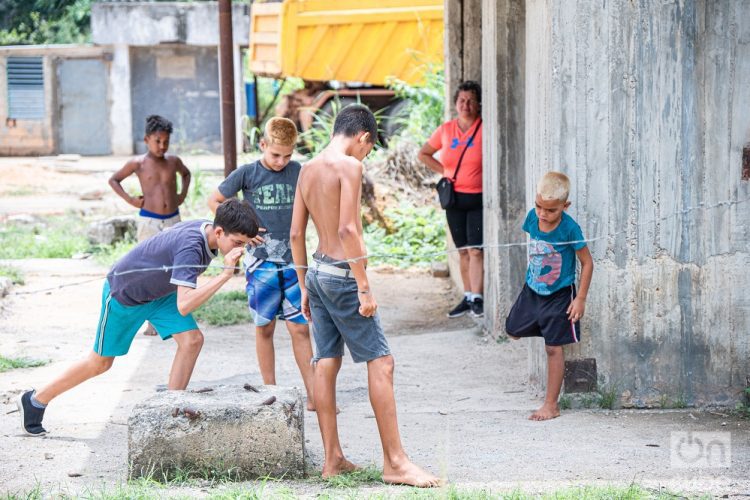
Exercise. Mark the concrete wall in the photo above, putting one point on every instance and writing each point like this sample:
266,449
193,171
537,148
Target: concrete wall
180,83
503,152
187,30
642,104
152,23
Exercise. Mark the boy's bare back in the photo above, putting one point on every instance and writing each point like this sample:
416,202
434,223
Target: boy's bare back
321,182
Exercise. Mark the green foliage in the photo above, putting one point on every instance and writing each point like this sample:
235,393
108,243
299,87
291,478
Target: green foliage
608,395
7,364
45,21
15,274
107,255
426,108
418,237
224,308
58,240
565,402
360,477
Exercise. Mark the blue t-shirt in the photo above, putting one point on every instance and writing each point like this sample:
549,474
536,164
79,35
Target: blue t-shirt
271,194
552,266
184,244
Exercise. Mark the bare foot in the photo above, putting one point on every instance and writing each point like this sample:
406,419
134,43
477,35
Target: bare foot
150,331
411,475
548,411
311,407
336,467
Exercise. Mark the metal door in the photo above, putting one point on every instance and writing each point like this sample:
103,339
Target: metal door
84,119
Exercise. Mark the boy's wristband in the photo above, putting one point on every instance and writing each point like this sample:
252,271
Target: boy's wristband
363,292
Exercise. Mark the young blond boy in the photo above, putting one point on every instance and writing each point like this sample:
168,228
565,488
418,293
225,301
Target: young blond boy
549,305
272,288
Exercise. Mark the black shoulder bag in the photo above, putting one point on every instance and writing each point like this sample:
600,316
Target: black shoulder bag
445,190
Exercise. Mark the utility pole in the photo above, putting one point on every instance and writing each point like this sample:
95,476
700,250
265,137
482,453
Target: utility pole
226,71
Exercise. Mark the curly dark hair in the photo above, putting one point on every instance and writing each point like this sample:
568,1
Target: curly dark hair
156,123
469,86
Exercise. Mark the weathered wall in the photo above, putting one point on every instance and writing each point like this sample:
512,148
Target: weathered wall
152,23
503,108
643,105
40,136
180,83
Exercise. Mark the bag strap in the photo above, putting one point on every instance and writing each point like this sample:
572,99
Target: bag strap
455,174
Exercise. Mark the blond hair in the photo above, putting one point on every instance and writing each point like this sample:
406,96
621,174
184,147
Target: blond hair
554,186
280,131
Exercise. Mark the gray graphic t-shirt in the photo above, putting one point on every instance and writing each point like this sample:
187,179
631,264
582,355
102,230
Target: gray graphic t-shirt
184,246
272,196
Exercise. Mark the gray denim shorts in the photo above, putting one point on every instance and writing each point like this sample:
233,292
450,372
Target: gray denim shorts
334,306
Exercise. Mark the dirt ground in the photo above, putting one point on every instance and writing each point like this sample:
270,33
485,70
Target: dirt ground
463,397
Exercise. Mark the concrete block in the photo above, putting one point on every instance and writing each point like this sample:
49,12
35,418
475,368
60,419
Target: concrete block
5,285
230,430
440,270
112,230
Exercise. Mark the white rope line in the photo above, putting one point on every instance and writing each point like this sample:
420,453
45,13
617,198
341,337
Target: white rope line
419,256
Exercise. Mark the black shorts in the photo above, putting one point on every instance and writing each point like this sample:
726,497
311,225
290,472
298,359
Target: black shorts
535,315
465,220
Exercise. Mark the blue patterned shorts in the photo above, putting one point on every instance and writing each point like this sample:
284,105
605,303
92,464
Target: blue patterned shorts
273,292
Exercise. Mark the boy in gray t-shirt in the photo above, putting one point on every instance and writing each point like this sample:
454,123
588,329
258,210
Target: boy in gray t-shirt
272,288
156,281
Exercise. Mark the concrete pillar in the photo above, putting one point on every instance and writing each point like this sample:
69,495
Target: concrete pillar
503,80
121,116
463,61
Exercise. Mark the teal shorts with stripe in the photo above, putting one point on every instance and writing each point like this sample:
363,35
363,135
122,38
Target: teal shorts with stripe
118,324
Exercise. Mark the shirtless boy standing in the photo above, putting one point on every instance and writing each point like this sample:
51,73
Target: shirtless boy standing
338,297
157,174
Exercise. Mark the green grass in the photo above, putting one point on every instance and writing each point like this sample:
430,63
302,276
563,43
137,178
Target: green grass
224,308
15,274
7,364
62,238
367,476
608,396
146,489
107,255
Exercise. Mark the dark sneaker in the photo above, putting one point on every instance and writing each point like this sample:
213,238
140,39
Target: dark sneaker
31,416
462,308
477,308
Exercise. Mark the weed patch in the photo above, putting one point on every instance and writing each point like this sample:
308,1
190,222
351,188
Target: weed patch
7,364
15,274
224,308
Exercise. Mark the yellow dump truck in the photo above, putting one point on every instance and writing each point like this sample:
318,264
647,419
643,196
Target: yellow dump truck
345,49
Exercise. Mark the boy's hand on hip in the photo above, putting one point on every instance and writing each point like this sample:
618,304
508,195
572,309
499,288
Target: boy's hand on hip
576,309
231,260
137,202
367,304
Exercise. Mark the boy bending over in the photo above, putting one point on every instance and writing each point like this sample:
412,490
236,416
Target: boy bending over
157,174
164,297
